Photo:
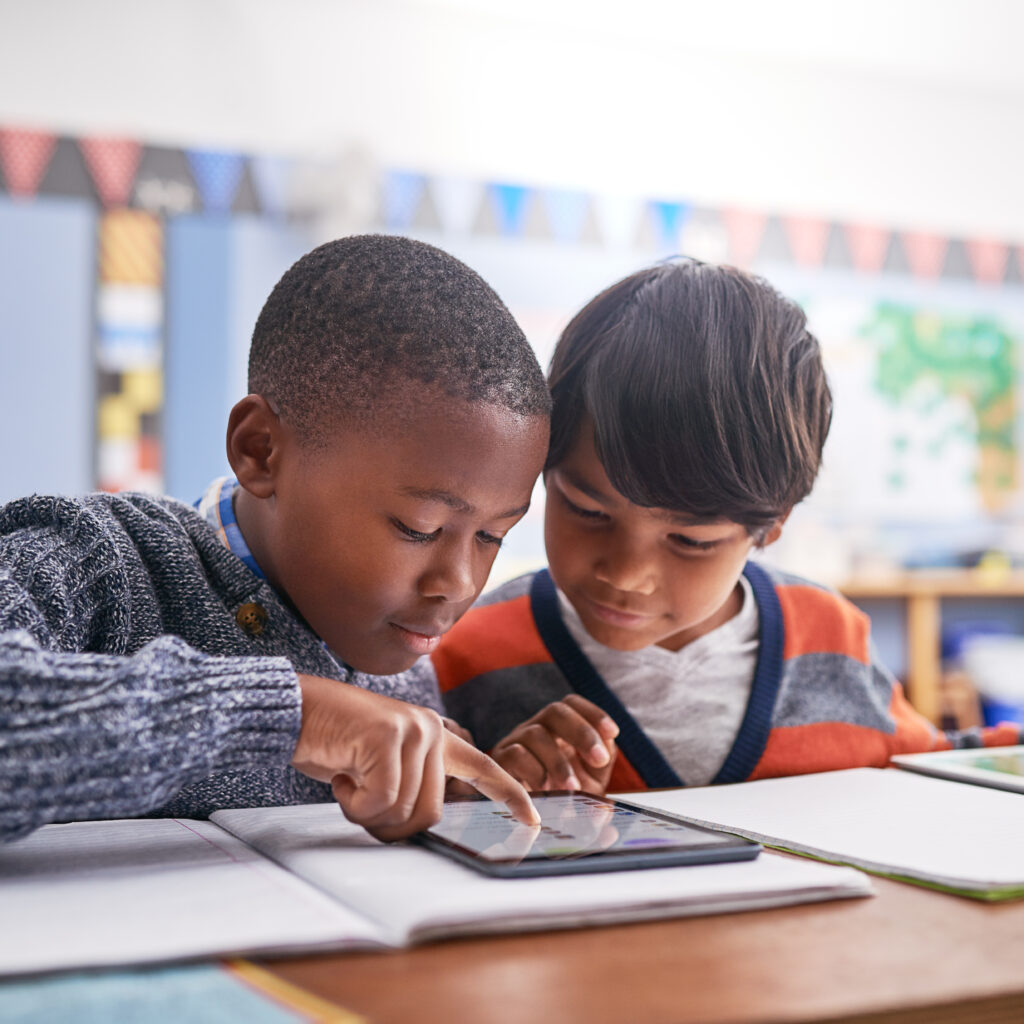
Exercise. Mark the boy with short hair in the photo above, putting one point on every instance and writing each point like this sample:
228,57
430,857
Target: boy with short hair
156,659
690,411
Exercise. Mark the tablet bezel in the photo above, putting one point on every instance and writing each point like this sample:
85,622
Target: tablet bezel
735,849
947,764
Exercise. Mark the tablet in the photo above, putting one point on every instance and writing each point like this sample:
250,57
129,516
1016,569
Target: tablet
999,767
578,833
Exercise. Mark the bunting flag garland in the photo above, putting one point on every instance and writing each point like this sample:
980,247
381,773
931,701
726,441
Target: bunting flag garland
535,218
619,219
705,237
868,246
926,253
66,174
509,204
24,157
246,198
272,176
957,264
125,173
669,218
402,192
457,200
988,259
567,212
113,164
164,182
896,262
808,237
218,176
774,246
745,229
837,249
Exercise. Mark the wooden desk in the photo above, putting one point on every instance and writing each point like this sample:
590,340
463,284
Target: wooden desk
923,591
907,955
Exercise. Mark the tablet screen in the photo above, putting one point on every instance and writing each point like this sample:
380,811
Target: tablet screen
1011,763
573,825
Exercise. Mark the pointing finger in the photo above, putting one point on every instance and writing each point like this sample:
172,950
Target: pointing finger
473,766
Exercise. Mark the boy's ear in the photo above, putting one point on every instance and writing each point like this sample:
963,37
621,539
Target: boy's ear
774,531
254,441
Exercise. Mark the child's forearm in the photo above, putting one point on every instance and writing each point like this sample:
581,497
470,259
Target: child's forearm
99,736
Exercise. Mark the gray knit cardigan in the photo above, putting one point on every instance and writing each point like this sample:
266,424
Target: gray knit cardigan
127,686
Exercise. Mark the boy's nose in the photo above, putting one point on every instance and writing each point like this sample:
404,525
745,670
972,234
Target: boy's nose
626,569
451,576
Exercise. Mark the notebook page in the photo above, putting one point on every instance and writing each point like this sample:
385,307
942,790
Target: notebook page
891,821
415,894
103,893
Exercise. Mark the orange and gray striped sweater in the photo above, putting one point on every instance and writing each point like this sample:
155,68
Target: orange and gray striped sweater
819,700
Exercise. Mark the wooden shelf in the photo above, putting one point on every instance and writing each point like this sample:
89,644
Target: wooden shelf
923,591
938,582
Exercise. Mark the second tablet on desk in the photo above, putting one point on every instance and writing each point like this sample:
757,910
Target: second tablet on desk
578,833
998,767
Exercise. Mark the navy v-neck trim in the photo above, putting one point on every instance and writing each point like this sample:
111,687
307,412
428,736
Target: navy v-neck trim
643,755
641,752
753,733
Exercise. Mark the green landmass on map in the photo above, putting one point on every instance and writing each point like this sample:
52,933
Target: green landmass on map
974,358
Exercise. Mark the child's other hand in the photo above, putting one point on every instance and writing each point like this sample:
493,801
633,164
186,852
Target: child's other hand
387,761
570,744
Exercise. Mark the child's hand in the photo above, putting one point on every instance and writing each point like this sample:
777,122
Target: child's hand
456,787
387,761
452,726
570,744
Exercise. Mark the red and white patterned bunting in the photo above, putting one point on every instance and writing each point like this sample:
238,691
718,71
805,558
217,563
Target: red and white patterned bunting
988,259
808,237
926,253
745,229
113,164
868,245
24,156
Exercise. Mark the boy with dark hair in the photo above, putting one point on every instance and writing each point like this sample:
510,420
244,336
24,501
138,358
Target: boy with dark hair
156,659
690,412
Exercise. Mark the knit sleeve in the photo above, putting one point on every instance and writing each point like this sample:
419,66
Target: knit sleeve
101,736
98,735
914,734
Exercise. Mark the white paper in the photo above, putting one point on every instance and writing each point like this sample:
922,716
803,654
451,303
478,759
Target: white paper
94,894
415,893
102,893
886,820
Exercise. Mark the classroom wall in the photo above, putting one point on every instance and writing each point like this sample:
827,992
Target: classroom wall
219,273
47,390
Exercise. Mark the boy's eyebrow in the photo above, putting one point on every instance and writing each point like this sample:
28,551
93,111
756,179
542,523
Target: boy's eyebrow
453,501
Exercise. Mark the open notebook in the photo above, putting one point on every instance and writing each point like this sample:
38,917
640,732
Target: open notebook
290,879
946,835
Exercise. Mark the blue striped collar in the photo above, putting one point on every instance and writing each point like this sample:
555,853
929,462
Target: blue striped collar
216,507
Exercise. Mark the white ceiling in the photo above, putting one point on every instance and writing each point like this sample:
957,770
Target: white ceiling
901,111
969,43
